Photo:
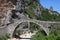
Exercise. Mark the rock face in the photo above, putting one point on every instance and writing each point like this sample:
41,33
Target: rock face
50,10
10,13
20,7
19,10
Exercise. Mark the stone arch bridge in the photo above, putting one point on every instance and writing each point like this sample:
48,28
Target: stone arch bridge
45,25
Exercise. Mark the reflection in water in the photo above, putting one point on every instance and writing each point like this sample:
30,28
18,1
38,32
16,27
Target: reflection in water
24,39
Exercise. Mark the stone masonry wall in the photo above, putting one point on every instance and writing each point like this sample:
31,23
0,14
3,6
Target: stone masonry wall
3,31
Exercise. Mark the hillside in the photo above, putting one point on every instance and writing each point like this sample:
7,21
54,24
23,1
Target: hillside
37,11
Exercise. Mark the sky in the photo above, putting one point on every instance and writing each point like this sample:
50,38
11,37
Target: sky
54,3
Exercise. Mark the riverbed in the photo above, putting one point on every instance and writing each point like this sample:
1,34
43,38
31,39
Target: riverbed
26,36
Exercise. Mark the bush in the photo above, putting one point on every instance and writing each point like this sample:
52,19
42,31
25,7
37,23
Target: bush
54,35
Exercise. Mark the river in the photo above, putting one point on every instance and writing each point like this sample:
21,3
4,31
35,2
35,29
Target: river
24,39
26,36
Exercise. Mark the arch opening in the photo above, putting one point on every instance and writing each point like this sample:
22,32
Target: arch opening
19,29
14,32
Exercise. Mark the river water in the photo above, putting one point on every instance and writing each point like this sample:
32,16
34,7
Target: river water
24,39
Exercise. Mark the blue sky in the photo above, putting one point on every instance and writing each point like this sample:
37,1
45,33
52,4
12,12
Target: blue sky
54,3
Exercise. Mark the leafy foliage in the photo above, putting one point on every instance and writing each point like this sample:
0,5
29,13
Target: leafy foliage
45,14
5,37
54,35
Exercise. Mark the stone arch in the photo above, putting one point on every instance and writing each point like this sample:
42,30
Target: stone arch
13,26
15,30
19,26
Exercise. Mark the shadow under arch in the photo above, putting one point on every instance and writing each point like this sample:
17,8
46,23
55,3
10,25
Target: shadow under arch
39,29
29,22
16,28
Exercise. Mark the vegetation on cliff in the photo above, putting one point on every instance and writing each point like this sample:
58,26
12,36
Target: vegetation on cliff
44,15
